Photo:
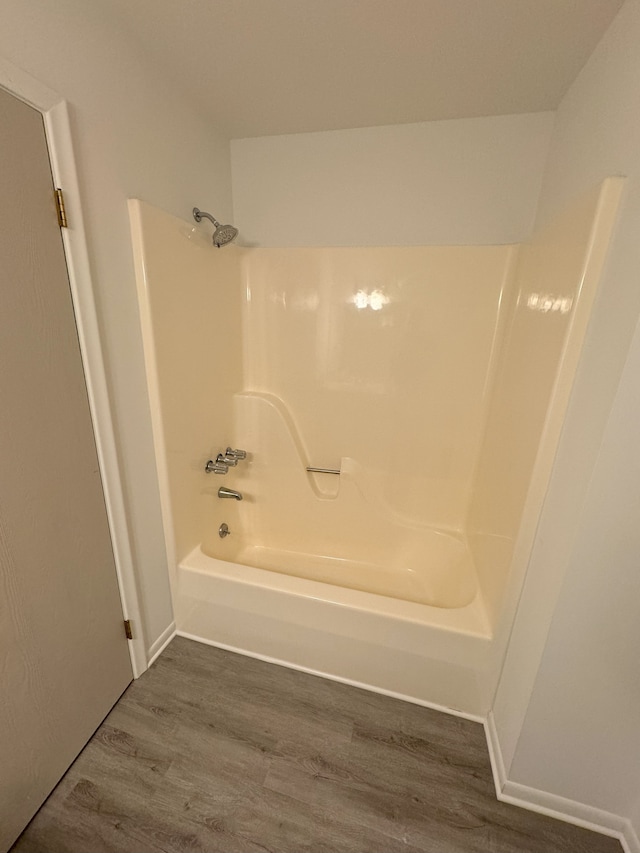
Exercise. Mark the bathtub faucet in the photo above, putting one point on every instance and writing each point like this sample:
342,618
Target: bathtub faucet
231,457
223,461
216,467
224,492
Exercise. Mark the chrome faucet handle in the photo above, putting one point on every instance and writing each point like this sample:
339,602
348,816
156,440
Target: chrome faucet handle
235,454
216,467
226,460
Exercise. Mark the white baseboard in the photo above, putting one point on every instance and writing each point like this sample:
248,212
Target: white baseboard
553,805
495,754
159,645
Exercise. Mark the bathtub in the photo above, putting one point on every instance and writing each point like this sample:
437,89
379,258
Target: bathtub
319,572
436,656
410,563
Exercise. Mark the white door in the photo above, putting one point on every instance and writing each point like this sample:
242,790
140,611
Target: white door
63,652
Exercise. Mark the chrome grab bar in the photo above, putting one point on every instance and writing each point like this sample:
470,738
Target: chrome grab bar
323,470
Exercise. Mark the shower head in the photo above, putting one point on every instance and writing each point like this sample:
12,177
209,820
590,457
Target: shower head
223,234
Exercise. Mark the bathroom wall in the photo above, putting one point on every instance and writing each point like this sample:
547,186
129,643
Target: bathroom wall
462,182
189,296
134,135
598,663
381,355
567,707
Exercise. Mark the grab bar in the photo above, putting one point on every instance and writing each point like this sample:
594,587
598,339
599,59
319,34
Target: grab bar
323,470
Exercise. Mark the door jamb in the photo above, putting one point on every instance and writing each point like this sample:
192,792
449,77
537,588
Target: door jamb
55,112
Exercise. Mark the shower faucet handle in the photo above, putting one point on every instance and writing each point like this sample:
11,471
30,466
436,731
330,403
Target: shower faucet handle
216,467
235,454
226,459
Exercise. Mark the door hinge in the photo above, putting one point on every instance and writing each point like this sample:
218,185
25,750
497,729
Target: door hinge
127,629
62,213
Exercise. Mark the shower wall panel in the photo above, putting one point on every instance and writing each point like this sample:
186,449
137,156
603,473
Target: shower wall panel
555,283
383,356
189,296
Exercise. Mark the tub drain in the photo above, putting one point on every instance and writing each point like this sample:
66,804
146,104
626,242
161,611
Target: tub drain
223,530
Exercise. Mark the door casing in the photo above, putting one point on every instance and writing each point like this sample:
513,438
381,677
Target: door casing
55,113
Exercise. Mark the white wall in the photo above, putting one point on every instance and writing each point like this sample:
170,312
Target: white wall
134,136
567,709
468,181
589,677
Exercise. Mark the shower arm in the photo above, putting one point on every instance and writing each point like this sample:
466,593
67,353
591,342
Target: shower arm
199,215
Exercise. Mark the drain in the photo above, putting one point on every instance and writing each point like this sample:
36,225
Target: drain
223,530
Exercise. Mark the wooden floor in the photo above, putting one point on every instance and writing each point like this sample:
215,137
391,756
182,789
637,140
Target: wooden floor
211,751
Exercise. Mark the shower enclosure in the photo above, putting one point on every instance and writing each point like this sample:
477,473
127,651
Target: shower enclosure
399,409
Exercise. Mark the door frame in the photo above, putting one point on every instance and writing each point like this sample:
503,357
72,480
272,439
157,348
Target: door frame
55,112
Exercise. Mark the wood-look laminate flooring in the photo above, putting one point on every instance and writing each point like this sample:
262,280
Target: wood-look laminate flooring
212,751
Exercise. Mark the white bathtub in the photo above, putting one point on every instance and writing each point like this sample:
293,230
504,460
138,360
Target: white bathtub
437,656
406,562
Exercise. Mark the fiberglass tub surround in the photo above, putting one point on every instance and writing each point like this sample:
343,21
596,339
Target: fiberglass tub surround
433,379
340,378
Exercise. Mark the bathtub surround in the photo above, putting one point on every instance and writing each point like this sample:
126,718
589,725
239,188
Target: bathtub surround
283,505
404,369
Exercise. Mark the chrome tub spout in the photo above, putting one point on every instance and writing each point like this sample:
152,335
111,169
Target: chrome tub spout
224,492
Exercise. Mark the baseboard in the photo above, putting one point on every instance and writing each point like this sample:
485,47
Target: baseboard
157,647
553,805
495,754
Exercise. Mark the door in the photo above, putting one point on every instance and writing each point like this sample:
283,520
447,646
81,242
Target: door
63,653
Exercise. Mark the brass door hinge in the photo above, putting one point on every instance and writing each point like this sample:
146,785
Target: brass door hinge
127,629
62,213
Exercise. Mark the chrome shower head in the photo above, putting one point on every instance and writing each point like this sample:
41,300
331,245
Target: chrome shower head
223,234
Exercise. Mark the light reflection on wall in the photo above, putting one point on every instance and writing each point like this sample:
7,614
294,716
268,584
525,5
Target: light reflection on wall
374,300
547,303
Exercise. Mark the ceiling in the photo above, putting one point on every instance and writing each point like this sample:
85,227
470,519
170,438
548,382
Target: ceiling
261,67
